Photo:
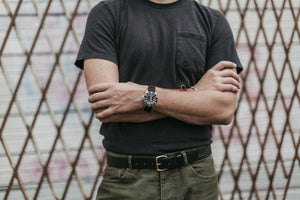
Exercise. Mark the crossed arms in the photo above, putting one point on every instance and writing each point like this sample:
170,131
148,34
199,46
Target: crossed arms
213,102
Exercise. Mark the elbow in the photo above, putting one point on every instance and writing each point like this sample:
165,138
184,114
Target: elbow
227,111
226,118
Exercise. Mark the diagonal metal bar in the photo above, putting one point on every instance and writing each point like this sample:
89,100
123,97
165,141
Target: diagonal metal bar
13,99
44,93
70,92
21,112
259,102
12,22
86,135
296,157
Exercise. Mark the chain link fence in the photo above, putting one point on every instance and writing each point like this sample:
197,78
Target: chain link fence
49,142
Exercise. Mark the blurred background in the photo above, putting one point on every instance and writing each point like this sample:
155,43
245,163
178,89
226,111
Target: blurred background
50,147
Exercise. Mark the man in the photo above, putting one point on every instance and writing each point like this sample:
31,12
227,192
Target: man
159,73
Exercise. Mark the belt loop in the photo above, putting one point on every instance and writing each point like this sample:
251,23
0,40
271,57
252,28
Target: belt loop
185,158
130,161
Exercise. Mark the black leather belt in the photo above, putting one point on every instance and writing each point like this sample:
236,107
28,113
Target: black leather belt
160,163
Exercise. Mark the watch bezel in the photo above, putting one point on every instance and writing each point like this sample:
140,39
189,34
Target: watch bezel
149,99
148,94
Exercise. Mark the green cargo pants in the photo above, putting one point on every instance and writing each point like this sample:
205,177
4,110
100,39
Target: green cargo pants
196,181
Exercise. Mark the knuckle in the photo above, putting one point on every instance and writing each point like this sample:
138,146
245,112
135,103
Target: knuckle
234,89
210,70
110,94
109,112
220,62
90,99
212,73
90,91
115,109
92,106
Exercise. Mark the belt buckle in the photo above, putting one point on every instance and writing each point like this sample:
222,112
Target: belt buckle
158,164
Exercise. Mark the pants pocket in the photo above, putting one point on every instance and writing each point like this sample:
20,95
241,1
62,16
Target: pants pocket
203,180
204,169
128,184
112,174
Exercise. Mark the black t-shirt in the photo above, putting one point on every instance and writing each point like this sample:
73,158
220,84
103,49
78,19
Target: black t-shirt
165,45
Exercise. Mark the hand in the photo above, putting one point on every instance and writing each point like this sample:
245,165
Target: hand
222,77
113,98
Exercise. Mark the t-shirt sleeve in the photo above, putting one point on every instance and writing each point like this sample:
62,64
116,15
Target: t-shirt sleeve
98,40
222,47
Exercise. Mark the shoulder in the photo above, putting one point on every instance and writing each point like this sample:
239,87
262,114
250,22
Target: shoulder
111,5
210,14
207,10
216,20
108,9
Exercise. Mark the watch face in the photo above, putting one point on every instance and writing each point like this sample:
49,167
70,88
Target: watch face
150,99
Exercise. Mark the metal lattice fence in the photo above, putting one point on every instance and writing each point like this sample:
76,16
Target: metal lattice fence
50,147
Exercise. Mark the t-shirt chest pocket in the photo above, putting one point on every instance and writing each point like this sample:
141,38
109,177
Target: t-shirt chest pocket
190,54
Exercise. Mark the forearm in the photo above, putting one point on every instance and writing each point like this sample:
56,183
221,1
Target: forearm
213,103
132,117
201,107
98,71
120,102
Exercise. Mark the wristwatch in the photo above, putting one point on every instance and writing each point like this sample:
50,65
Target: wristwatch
149,99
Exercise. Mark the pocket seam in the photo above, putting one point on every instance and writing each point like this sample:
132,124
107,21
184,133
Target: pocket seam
121,177
213,177
191,36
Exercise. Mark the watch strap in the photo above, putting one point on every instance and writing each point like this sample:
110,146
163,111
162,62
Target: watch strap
147,109
151,88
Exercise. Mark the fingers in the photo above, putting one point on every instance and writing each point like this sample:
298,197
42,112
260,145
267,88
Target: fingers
229,85
231,81
99,105
223,65
99,88
99,92
103,109
228,88
101,116
101,100
97,97
230,73
104,114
